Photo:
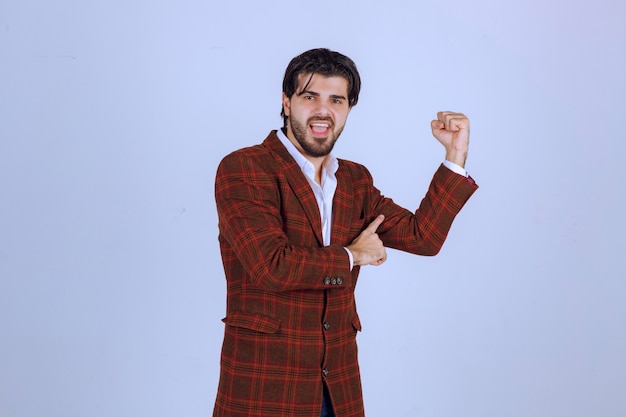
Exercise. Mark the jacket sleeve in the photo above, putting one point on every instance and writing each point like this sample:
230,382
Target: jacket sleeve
248,202
424,231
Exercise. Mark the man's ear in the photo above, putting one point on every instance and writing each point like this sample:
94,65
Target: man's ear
286,105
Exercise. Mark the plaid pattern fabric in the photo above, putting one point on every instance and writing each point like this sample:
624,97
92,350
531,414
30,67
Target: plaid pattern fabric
291,319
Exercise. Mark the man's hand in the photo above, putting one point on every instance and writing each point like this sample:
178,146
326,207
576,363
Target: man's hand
452,130
367,248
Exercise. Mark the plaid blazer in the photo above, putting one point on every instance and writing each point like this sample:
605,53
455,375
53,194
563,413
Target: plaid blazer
291,319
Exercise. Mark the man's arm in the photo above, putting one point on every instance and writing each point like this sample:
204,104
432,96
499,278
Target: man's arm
425,231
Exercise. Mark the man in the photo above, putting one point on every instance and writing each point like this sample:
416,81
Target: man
296,224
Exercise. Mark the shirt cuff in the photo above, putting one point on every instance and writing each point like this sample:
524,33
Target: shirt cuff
351,258
455,168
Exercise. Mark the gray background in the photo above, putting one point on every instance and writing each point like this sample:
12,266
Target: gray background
114,115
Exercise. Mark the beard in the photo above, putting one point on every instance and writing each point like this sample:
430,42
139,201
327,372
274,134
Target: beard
315,147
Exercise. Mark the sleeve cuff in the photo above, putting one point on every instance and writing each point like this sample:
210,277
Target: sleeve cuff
455,168
351,258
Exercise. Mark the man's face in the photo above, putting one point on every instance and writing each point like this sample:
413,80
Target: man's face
318,114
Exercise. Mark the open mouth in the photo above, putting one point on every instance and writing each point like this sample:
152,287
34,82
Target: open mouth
320,129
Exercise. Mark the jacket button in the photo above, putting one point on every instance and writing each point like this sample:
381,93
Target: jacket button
327,281
325,371
339,281
333,281
326,325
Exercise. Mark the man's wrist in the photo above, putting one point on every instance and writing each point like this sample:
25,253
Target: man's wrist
455,168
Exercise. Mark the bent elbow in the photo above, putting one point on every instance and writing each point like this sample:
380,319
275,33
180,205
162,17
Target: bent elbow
431,250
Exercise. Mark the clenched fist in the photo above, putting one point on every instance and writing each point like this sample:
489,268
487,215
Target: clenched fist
452,130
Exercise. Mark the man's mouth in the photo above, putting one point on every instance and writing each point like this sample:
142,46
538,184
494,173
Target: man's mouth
320,128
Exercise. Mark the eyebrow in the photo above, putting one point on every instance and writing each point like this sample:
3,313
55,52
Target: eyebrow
308,92
316,94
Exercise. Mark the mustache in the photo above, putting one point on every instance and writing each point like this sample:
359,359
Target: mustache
321,119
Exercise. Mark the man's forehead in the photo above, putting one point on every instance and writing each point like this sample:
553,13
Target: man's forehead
308,81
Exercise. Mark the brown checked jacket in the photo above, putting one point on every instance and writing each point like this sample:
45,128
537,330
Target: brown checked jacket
291,319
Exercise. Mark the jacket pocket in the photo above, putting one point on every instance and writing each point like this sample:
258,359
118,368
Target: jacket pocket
253,321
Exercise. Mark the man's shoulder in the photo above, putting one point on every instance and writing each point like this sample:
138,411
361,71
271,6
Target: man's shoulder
259,150
252,151
257,158
353,168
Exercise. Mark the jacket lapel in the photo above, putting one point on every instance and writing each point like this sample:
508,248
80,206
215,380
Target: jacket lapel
298,183
342,206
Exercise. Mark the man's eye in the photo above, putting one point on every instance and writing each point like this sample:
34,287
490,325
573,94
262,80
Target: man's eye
309,97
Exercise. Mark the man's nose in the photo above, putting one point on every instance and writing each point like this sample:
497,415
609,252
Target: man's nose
322,108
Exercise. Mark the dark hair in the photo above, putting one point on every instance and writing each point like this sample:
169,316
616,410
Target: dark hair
324,62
